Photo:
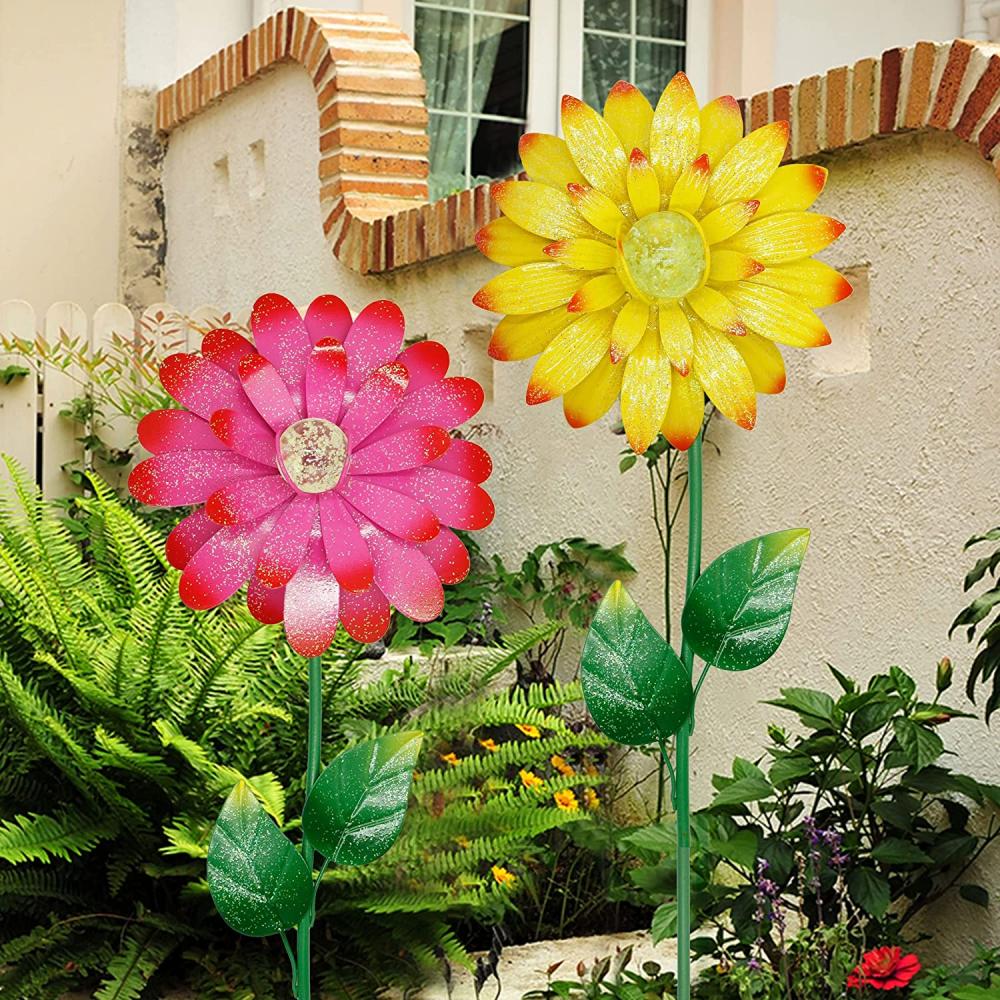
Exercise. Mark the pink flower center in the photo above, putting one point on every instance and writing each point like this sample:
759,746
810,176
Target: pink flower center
312,454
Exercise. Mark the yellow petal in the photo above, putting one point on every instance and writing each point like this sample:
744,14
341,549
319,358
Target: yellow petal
529,288
598,293
592,398
729,265
793,188
689,191
675,131
721,128
629,113
675,337
595,148
724,375
546,158
540,209
777,316
727,220
643,190
762,357
815,283
716,310
583,254
748,166
630,325
570,358
507,243
598,209
645,392
685,412
519,337
786,236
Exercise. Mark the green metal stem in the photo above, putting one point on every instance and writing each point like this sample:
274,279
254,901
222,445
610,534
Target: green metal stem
313,749
683,767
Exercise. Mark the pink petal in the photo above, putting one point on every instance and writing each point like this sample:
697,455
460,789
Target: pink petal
374,339
455,501
405,450
448,555
188,536
266,604
328,316
346,551
247,435
267,391
405,576
280,335
177,478
227,349
396,512
374,401
201,386
175,430
247,500
312,604
222,565
446,404
326,373
466,459
365,614
286,546
426,361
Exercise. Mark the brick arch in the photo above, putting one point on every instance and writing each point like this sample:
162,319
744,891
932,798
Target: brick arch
373,124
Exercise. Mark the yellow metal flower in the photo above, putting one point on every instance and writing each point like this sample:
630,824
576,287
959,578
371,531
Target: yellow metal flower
658,256
449,758
561,765
502,876
532,732
491,745
529,779
591,799
566,800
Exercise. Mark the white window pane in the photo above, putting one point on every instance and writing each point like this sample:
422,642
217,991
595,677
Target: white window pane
661,18
605,61
500,67
607,15
494,149
448,154
442,39
505,6
655,64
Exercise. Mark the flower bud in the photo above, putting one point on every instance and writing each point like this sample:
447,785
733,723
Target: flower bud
944,674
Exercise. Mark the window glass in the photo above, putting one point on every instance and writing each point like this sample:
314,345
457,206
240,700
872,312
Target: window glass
642,41
474,55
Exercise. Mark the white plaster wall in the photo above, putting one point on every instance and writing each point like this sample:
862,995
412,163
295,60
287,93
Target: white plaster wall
892,468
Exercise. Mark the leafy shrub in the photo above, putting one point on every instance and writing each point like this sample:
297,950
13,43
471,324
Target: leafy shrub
854,820
977,980
611,978
126,719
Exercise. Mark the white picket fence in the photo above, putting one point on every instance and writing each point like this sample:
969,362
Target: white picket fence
31,427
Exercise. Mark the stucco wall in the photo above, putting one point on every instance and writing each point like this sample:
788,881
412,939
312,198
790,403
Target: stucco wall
893,465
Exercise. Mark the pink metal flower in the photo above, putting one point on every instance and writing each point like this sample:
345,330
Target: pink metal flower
322,456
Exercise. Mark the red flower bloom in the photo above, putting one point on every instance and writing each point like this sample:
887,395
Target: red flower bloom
322,457
884,969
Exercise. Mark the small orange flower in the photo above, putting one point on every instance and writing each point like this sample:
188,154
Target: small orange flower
562,765
566,800
449,758
532,732
591,799
590,770
491,745
463,842
529,779
502,876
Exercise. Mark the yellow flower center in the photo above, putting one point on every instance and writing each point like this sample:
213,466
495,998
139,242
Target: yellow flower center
313,454
664,256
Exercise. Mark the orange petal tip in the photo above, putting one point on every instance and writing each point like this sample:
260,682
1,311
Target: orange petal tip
526,141
680,441
843,289
747,420
778,384
483,240
637,157
825,339
575,420
482,299
495,350
577,191
729,102
680,80
576,303
754,267
622,87
682,368
555,249
497,189
701,165
615,354
536,394
818,176
752,205
837,227
737,329
569,104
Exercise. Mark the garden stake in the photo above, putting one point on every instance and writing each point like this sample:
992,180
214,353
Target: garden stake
315,451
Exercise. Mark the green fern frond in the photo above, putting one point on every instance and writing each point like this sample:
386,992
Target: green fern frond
143,951
42,838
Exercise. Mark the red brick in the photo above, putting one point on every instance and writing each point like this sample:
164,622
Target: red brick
980,99
921,71
805,131
888,100
836,108
863,100
951,83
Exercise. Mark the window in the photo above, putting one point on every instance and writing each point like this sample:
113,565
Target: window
642,41
475,61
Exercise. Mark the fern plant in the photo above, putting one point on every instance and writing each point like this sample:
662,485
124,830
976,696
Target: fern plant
125,720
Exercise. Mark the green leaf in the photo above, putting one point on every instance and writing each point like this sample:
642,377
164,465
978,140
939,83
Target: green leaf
738,611
635,686
356,808
869,890
664,922
743,790
740,848
895,851
921,745
974,894
257,878
815,708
